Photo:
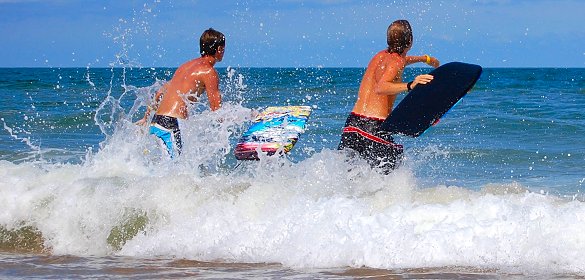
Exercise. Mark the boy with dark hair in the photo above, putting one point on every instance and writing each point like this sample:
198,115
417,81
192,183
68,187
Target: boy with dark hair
188,83
381,84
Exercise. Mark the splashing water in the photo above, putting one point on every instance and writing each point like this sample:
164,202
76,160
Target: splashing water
98,185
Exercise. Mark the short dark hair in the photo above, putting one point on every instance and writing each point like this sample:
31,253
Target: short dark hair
209,42
399,36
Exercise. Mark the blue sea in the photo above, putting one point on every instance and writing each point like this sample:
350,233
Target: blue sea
494,190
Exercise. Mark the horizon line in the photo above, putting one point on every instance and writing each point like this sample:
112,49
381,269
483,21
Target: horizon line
274,67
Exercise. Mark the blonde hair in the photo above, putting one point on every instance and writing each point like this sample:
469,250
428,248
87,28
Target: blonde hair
399,36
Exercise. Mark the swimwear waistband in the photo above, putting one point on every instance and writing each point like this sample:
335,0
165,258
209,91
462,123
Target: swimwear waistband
167,122
366,117
367,124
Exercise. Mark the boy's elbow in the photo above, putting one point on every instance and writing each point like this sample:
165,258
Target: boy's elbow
379,91
215,107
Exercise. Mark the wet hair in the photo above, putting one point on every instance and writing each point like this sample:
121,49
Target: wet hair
210,41
399,36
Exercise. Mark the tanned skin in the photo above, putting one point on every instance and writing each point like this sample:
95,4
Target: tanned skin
188,83
382,82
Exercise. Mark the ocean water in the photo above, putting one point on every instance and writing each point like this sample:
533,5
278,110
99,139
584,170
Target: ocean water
494,190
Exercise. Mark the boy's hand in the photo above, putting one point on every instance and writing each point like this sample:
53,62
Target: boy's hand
422,79
141,122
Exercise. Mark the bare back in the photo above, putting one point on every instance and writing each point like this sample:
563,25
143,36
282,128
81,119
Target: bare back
188,83
384,67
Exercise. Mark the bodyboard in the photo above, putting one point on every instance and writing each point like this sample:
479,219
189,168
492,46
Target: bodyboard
274,130
424,105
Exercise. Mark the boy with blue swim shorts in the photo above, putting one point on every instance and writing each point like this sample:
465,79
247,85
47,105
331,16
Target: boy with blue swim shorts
167,130
189,81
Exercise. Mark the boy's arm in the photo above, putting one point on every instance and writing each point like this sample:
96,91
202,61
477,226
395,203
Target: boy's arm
149,108
431,61
211,82
388,84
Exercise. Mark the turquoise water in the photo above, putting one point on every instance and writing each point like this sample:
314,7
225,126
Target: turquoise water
496,186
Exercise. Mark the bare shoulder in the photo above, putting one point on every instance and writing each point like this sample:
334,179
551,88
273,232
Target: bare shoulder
195,69
184,69
202,68
380,56
384,59
394,61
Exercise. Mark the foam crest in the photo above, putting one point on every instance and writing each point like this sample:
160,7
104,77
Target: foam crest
273,223
325,211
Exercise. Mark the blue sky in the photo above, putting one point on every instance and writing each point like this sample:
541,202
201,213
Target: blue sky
288,33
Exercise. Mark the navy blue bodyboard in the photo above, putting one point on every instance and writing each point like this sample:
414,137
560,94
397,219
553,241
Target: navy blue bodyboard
424,105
